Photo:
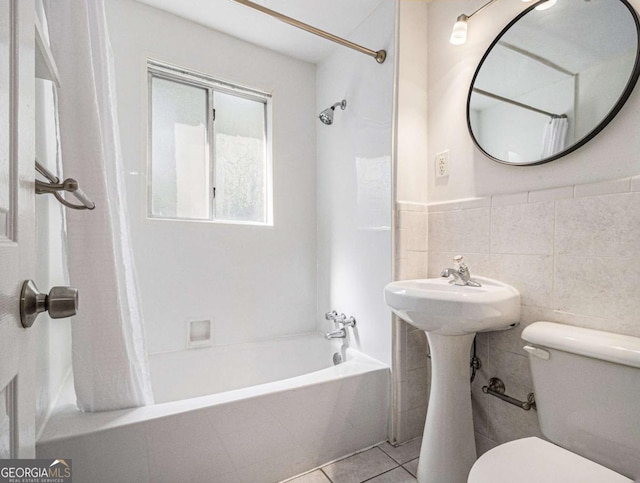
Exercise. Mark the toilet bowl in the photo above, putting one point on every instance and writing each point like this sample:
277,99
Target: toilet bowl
587,387
533,460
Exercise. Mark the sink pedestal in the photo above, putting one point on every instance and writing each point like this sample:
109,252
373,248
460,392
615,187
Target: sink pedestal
451,315
448,446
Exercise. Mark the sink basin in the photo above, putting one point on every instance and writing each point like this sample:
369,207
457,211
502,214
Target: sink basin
436,306
451,315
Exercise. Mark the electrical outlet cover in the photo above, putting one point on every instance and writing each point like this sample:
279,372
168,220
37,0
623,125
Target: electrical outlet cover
442,164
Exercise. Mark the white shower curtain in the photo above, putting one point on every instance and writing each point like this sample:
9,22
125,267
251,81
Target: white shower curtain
554,136
110,365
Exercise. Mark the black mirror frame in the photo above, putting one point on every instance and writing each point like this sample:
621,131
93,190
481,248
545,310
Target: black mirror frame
633,78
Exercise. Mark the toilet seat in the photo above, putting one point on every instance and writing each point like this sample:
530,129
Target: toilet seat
533,460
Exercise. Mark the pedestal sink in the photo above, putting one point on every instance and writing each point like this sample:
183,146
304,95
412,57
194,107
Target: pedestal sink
451,315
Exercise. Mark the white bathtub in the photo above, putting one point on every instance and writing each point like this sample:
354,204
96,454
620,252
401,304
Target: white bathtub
253,413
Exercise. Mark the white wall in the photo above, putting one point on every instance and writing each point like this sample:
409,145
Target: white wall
254,282
610,155
354,184
412,138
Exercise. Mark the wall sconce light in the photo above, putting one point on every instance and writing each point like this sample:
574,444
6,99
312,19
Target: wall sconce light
459,32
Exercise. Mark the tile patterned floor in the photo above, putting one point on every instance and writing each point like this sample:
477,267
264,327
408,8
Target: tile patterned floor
382,464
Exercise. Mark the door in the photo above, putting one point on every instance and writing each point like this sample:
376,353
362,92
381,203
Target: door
17,226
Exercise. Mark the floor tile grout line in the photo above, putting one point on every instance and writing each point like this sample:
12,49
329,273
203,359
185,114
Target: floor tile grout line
399,446
410,474
380,447
379,474
396,465
388,471
407,469
326,475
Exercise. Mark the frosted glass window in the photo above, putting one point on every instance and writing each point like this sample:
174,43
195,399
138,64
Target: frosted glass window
180,179
209,149
240,154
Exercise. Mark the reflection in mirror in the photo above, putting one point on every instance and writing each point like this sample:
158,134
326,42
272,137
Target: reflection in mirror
553,79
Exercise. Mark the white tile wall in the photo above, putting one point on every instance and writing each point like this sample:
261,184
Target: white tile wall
353,185
462,231
598,226
536,287
551,194
525,228
411,374
570,251
603,188
509,199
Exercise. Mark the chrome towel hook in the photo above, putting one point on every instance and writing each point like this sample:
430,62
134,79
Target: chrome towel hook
54,187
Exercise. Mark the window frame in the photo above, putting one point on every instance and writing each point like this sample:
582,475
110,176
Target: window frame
161,70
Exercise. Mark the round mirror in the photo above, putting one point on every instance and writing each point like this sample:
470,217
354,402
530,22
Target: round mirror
553,79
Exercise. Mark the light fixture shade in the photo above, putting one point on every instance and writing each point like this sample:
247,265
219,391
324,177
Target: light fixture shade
546,5
459,32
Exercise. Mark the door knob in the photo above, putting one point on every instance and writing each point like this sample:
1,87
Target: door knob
61,302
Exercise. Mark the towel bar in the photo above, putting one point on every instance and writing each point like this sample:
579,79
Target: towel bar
54,187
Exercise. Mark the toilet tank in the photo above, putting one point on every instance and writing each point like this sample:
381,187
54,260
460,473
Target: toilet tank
587,388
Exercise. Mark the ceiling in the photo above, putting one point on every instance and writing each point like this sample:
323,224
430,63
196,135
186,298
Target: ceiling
338,17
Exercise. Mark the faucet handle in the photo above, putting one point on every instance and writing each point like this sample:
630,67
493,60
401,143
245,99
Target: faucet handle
331,315
350,322
459,262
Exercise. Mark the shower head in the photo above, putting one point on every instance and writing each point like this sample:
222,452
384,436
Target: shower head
326,116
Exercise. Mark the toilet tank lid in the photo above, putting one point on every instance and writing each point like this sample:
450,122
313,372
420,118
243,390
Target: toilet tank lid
621,349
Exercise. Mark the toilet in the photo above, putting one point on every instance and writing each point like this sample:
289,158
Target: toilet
587,388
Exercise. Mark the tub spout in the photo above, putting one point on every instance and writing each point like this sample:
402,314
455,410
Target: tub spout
336,334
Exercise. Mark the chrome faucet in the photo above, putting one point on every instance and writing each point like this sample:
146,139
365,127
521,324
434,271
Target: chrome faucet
461,275
340,333
341,322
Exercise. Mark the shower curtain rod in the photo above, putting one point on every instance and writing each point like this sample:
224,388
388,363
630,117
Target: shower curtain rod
516,103
380,55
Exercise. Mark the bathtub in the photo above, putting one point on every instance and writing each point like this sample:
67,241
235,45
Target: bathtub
255,413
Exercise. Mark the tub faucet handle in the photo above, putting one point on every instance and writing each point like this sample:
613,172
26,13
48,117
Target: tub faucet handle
350,322
331,315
